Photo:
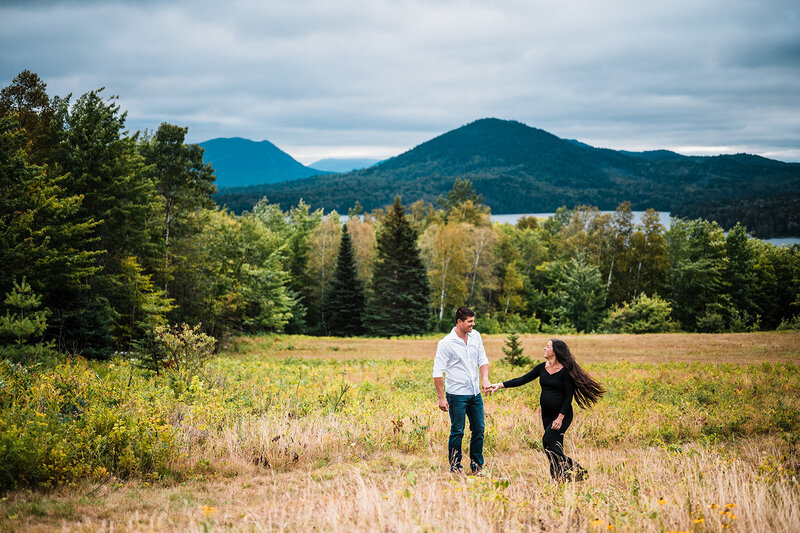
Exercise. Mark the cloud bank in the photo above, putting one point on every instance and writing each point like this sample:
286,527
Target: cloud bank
373,78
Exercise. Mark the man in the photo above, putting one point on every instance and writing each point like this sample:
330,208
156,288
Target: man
461,358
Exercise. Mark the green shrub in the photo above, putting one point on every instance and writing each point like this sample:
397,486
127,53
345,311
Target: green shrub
514,323
559,328
791,324
69,423
488,324
180,350
711,322
644,315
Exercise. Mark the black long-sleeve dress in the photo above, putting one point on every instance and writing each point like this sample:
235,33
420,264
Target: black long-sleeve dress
556,398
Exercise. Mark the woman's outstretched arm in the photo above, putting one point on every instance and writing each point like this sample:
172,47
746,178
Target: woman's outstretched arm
527,378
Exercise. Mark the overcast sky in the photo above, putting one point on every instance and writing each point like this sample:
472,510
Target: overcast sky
373,78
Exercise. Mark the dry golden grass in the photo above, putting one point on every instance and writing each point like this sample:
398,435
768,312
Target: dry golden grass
648,489
746,348
280,472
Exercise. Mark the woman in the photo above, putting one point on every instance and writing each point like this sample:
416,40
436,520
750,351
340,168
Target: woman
561,378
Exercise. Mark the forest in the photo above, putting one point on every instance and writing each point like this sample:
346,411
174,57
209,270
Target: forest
110,240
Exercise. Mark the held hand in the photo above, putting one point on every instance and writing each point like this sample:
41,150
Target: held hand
485,386
557,422
494,387
443,405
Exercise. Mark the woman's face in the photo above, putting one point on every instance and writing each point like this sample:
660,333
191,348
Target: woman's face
548,351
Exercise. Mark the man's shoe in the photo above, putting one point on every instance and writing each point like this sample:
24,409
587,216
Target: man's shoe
457,469
476,471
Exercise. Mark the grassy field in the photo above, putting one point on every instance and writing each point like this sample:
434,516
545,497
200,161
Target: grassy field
286,433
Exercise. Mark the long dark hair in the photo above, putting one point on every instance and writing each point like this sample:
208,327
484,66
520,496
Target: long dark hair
587,389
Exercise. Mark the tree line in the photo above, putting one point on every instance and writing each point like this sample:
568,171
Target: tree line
107,235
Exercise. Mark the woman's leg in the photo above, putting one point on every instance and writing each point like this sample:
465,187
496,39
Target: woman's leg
553,444
562,468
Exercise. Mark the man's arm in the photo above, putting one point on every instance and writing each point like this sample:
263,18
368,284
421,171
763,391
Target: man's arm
483,365
485,383
439,383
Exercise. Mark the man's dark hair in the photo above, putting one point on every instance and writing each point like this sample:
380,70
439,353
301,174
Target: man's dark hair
462,313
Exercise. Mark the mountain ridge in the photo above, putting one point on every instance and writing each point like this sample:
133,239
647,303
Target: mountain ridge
343,164
242,162
518,168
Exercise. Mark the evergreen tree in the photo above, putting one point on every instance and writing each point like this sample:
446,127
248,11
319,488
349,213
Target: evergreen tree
579,294
345,302
181,179
103,165
398,297
740,274
37,236
21,330
514,351
460,193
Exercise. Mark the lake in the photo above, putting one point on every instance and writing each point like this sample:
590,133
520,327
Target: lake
664,218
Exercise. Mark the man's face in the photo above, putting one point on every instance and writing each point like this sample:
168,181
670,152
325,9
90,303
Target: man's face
465,326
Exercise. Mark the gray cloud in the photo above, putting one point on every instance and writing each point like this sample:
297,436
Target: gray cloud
322,78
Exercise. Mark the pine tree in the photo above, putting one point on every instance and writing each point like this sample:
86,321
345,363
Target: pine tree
21,330
344,306
399,293
103,166
37,236
514,352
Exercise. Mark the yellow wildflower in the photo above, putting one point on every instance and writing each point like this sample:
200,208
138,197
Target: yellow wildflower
595,523
699,520
661,501
713,506
730,506
209,511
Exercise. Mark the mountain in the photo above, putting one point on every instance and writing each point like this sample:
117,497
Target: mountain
241,162
654,155
521,169
342,165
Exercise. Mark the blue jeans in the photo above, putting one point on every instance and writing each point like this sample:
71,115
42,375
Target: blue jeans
472,407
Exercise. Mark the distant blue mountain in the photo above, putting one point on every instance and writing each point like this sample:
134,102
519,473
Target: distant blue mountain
655,155
342,164
240,162
650,155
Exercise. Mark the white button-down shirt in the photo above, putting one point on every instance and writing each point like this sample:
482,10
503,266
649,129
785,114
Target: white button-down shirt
460,362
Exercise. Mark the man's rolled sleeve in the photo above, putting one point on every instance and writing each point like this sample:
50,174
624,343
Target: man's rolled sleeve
439,362
482,359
